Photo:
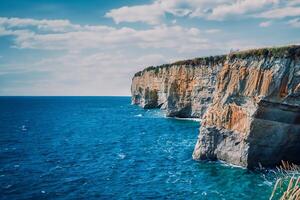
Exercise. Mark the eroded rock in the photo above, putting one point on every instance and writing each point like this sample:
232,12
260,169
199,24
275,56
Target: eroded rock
184,89
249,103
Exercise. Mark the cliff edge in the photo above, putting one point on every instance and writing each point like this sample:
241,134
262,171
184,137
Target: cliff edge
249,103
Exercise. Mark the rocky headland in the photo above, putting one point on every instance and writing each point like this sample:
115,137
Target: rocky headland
248,103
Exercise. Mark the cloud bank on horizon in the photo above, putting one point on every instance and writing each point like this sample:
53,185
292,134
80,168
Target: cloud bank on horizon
73,55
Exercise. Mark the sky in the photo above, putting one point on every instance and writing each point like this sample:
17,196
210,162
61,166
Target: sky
93,48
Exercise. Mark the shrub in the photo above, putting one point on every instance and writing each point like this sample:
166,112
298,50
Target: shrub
285,51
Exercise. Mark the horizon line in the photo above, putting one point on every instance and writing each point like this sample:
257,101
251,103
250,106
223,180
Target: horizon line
65,96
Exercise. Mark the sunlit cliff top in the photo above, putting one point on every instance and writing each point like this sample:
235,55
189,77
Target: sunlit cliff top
283,51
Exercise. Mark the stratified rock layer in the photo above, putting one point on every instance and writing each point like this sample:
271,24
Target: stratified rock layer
249,103
183,89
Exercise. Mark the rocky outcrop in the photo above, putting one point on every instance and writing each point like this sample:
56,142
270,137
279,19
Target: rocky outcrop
183,89
249,103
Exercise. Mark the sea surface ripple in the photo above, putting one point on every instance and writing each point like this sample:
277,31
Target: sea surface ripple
105,148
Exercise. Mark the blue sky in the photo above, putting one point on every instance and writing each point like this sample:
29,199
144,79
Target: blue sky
51,47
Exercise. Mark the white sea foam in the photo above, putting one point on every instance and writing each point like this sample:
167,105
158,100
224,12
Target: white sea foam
162,114
23,128
188,119
8,186
139,115
121,156
230,165
268,183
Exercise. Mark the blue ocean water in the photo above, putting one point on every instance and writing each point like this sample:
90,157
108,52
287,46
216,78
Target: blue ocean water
105,148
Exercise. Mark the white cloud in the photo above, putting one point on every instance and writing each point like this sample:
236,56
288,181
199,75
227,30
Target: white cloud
153,13
95,59
78,73
238,8
212,10
293,2
265,24
294,22
280,13
100,59
103,37
50,25
212,31
145,13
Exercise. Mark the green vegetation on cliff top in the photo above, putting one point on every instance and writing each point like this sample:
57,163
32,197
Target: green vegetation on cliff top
284,51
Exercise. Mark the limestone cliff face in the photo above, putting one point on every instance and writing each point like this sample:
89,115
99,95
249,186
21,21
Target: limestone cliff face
249,103
183,89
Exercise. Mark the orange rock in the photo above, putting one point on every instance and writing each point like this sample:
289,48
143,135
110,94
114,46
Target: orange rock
249,103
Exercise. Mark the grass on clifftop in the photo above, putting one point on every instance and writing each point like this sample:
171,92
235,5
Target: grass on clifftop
284,51
191,63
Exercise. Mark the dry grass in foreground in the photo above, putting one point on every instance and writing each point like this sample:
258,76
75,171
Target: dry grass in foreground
287,187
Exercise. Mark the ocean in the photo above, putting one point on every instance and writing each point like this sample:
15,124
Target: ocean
106,148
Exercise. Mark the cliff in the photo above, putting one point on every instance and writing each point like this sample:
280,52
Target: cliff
184,89
249,103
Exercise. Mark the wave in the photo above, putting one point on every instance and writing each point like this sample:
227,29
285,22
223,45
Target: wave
189,119
121,156
230,165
